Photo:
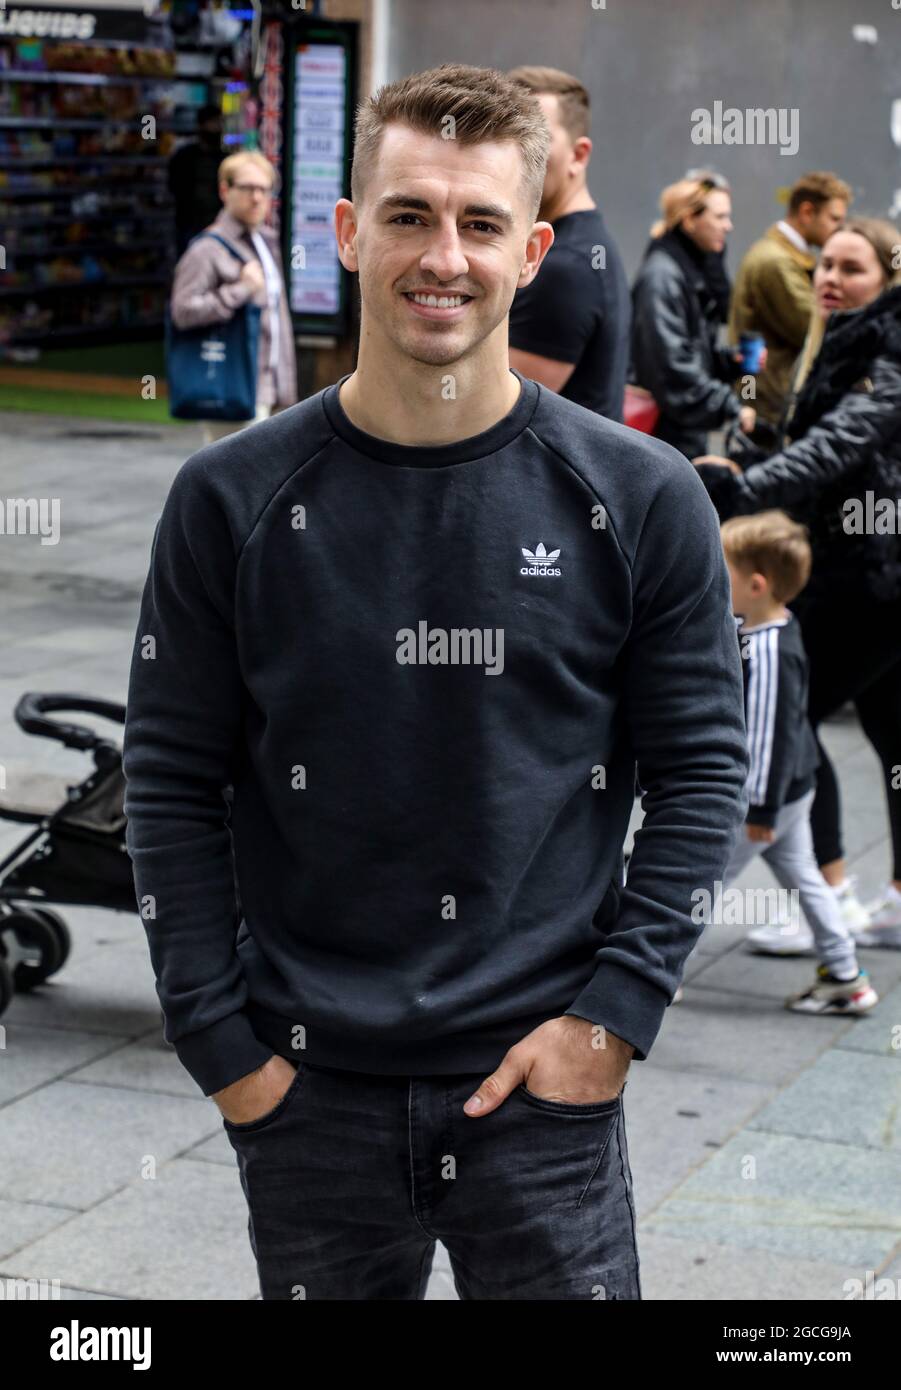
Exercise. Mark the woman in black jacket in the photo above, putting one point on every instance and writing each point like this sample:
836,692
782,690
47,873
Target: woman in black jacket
839,472
675,319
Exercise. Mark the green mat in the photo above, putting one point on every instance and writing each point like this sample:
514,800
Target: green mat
83,403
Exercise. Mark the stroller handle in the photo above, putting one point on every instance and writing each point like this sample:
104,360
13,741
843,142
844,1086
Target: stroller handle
32,708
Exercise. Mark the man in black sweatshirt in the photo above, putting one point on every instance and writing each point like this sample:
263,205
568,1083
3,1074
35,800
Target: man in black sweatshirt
424,625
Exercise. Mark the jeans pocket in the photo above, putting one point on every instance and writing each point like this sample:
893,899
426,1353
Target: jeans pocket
566,1107
263,1120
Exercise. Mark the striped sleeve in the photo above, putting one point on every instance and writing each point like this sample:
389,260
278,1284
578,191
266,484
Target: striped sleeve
775,713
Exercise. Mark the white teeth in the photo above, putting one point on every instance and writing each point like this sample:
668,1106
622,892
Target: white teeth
433,302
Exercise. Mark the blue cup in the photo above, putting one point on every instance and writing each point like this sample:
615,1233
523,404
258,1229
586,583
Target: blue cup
751,346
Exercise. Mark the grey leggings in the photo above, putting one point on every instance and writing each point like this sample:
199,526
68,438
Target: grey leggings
793,862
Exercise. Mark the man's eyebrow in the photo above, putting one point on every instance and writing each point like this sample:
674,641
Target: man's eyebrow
402,200
495,211
492,210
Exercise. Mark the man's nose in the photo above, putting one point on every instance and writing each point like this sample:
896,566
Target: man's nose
444,255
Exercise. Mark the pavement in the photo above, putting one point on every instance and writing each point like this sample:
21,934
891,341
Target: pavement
765,1146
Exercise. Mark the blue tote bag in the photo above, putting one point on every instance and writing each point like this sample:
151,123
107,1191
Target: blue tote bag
212,371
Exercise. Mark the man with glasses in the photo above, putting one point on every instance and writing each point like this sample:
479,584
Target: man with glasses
240,262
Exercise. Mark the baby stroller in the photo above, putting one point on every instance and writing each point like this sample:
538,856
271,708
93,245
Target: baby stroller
75,854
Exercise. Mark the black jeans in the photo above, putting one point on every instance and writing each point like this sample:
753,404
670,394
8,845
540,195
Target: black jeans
853,646
352,1178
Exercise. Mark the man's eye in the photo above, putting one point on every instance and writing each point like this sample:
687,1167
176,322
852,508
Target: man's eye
406,216
485,226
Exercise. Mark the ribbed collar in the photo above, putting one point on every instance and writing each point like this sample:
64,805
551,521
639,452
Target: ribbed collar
475,446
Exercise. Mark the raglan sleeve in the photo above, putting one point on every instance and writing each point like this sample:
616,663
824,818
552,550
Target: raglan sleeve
183,717
683,706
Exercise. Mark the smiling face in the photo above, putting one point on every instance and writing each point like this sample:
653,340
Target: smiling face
848,274
441,240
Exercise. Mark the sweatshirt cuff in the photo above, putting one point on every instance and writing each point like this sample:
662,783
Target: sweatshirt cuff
624,1003
223,1053
759,816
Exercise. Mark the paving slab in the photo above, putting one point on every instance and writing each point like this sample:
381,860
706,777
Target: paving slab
810,1199
696,1270
182,1235
847,1097
103,1137
734,1035
673,1124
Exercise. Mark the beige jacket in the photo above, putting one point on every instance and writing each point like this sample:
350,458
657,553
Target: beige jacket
773,296
208,289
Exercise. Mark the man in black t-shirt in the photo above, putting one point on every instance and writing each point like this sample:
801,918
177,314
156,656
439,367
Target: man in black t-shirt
569,328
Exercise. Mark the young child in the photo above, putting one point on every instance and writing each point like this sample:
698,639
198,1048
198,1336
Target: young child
769,559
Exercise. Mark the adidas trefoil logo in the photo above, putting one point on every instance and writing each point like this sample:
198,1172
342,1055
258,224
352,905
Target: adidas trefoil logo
540,560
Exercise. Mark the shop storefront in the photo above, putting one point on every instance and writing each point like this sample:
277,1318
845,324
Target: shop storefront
92,105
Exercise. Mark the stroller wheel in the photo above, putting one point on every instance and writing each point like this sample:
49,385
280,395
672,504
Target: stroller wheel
63,935
29,947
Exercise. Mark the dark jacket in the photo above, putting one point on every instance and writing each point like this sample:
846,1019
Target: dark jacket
843,443
674,353
716,273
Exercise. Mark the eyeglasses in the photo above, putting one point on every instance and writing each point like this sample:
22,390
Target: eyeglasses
253,188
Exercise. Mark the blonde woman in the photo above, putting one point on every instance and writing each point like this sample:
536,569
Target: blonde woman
840,473
676,317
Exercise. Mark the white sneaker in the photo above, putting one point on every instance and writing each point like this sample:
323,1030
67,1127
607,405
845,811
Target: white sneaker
855,916
781,938
830,996
885,921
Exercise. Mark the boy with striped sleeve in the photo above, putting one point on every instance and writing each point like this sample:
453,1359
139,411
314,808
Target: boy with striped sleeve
769,560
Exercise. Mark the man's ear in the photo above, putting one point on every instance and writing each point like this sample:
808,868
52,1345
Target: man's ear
541,239
345,233
582,151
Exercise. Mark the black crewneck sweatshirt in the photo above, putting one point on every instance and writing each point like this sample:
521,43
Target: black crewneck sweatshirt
427,674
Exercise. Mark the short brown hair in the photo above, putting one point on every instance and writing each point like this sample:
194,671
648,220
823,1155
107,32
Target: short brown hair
573,101
484,105
771,544
818,188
